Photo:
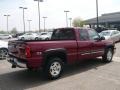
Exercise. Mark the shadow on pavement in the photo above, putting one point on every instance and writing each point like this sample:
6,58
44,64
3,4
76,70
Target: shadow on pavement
24,79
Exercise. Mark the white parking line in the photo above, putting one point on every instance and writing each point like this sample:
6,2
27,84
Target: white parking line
116,59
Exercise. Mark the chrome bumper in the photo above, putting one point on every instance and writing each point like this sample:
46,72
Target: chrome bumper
16,63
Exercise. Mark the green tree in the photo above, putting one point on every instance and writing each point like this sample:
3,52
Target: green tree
2,32
14,31
78,22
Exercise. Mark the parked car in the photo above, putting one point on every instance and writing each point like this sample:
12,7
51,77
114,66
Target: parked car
3,49
45,36
29,36
5,36
67,46
111,35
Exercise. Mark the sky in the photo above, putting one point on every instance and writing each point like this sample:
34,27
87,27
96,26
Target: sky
54,10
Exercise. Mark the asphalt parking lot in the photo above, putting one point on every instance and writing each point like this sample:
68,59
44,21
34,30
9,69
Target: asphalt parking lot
90,75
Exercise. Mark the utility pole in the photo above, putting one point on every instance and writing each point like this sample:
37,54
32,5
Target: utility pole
44,18
23,16
66,17
97,13
29,25
7,22
39,12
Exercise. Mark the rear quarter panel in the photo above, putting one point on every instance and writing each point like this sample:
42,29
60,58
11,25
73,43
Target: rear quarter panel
69,45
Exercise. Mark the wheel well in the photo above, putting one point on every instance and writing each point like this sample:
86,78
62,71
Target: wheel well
60,55
112,47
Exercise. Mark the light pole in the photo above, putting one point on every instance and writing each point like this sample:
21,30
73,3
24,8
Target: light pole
97,13
44,22
7,22
39,11
23,16
66,17
29,25
70,21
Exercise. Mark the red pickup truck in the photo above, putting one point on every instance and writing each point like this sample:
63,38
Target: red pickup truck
66,46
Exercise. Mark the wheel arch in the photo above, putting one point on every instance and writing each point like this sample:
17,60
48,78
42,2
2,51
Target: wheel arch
110,46
51,53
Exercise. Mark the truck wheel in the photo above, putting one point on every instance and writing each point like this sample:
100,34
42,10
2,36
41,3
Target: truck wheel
107,57
54,68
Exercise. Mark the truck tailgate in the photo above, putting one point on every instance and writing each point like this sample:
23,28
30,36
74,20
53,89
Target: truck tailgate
17,49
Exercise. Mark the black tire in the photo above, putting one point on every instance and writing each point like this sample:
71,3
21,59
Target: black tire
3,53
47,39
108,55
36,38
22,38
50,69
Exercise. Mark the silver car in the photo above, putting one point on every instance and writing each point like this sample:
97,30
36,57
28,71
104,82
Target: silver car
29,36
3,49
5,36
45,36
111,35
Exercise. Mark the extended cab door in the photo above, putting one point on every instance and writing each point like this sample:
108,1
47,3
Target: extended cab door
98,46
84,44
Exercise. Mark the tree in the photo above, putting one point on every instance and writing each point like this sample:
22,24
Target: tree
78,22
2,32
14,31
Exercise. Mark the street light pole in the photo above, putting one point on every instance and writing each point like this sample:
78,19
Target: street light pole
97,13
70,21
66,17
29,25
39,12
44,22
23,16
7,22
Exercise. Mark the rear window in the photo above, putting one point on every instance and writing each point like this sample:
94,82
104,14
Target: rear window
63,34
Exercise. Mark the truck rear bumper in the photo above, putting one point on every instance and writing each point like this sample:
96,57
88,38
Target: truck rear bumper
15,62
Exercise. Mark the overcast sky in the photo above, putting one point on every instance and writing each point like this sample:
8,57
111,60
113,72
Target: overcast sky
54,10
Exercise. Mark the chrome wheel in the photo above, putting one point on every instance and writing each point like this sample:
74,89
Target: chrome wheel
55,69
109,55
3,53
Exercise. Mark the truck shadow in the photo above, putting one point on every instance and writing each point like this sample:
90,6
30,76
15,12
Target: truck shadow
24,79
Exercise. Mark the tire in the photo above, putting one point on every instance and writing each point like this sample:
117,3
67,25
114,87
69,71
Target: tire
53,68
47,39
3,53
107,57
36,38
22,38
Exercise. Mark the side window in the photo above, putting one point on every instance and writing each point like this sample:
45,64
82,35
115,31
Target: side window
83,35
65,34
93,34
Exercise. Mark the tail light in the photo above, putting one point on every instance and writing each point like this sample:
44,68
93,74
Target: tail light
28,52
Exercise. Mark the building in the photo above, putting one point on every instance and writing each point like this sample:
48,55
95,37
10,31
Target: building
109,20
